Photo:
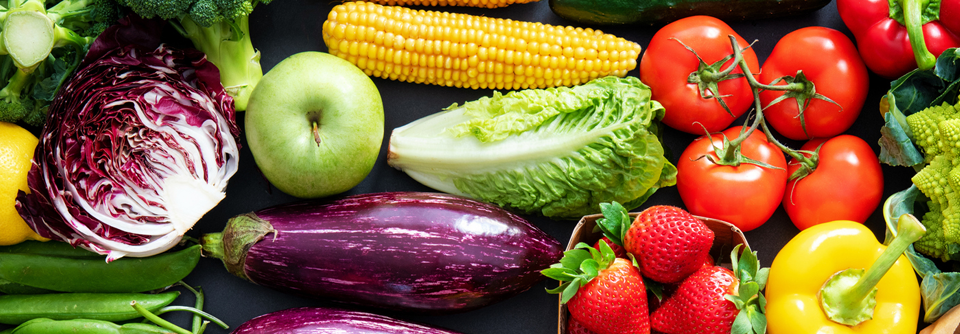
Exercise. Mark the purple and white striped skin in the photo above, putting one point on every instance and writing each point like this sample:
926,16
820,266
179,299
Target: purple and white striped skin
405,251
316,320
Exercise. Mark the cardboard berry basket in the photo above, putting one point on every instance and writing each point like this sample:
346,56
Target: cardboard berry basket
726,236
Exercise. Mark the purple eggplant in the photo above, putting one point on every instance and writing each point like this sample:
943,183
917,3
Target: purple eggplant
316,320
404,251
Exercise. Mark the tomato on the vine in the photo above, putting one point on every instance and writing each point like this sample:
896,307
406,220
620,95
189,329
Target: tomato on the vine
847,183
667,67
832,66
745,195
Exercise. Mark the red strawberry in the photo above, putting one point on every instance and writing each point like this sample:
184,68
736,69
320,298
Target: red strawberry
609,297
575,327
668,243
615,302
698,306
617,249
701,305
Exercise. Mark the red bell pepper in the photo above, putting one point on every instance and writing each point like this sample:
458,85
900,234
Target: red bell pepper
897,36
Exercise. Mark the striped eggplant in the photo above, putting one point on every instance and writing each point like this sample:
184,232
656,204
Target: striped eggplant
318,320
405,251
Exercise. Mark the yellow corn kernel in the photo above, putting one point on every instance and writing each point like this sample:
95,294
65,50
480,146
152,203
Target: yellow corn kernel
460,3
459,50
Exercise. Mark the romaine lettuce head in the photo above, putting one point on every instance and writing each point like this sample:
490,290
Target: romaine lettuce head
559,152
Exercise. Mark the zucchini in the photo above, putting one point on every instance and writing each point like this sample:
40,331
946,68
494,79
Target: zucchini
657,12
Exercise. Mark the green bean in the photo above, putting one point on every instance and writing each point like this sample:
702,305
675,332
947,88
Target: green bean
84,326
17,309
95,274
49,248
12,288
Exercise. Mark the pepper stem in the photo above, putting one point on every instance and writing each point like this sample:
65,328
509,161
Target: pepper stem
913,21
849,296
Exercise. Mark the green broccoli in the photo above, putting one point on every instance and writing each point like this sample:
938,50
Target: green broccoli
40,48
218,28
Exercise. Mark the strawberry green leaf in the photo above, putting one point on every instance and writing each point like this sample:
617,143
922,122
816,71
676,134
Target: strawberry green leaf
736,301
578,267
572,258
607,255
654,287
560,274
741,325
615,222
570,290
590,268
748,289
761,278
758,321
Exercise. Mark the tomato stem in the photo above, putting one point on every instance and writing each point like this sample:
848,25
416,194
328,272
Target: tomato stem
810,163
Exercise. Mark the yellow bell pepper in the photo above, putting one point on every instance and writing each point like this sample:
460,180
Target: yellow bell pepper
882,299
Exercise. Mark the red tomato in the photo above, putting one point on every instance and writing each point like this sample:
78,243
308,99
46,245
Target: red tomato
846,185
829,60
666,66
744,195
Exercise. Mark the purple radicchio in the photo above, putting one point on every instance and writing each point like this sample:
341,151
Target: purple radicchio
138,145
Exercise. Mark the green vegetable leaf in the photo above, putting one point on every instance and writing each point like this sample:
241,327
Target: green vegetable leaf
559,152
615,222
896,147
916,90
940,291
577,267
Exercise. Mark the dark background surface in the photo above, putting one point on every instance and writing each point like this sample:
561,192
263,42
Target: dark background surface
286,27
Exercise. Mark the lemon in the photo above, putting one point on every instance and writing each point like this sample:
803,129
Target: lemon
16,152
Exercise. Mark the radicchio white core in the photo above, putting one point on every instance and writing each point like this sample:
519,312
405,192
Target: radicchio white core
137,147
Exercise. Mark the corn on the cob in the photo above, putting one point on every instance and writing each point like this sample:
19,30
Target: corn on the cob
460,3
471,51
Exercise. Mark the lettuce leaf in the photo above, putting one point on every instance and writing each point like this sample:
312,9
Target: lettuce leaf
559,152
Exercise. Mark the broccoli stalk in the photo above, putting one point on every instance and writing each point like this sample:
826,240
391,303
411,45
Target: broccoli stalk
40,47
228,45
218,28
30,31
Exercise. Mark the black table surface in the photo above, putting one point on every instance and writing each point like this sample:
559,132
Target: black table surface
285,27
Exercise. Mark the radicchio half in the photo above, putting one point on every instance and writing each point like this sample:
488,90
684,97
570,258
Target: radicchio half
138,145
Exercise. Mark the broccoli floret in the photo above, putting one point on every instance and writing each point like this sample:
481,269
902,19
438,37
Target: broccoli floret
40,48
218,28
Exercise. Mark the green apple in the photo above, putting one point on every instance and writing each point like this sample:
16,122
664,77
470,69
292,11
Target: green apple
314,125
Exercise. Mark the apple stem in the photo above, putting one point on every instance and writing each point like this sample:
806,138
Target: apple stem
316,133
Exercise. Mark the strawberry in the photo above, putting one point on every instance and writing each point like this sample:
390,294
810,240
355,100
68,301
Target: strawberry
668,243
575,327
617,249
716,300
604,293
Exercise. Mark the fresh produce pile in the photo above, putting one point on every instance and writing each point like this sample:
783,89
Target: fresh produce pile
416,166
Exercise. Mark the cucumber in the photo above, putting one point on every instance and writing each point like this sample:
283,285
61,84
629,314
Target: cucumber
656,12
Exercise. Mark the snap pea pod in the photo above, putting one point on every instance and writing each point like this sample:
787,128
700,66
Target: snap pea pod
12,288
85,326
17,309
49,248
95,275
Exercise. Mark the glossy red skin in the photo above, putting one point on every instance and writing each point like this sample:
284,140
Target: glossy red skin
698,305
744,195
847,184
883,42
614,302
829,59
666,65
